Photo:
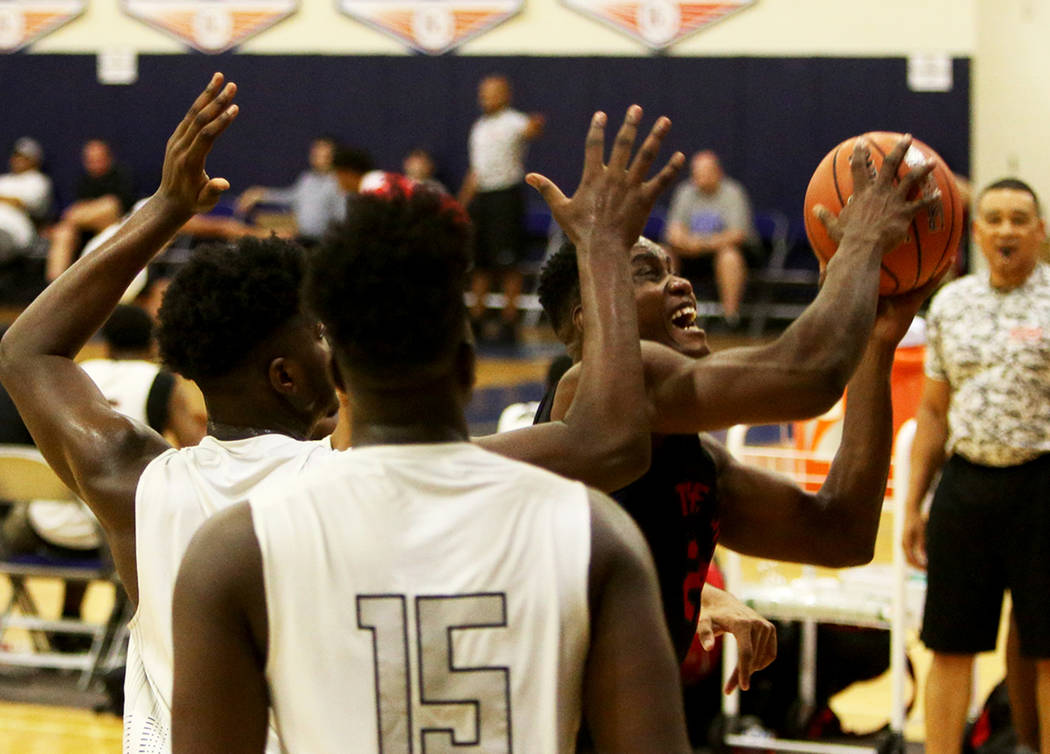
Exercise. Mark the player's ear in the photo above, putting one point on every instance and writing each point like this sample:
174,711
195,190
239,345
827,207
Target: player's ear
282,374
577,319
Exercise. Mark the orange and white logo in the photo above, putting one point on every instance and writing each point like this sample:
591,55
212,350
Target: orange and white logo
432,26
658,23
24,21
211,25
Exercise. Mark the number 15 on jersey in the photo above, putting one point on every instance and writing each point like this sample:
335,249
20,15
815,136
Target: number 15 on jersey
462,708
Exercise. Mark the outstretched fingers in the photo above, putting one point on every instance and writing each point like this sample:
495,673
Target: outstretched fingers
915,177
650,148
215,118
659,182
210,130
203,100
893,160
594,146
624,143
214,110
860,164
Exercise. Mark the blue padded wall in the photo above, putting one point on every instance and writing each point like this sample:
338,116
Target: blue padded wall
771,119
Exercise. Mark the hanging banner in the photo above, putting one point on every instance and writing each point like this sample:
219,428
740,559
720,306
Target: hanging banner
211,25
432,26
24,21
657,23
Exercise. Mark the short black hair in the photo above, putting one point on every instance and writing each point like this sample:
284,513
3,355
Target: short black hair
1015,184
225,301
350,158
388,282
129,328
559,285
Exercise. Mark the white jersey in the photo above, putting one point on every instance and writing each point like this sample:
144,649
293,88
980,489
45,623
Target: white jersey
125,383
423,597
177,492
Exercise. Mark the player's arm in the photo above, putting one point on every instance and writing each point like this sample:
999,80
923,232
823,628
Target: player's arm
927,456
602,438
220,700
769,516
468,189
803,372
96,451
632,692
534,126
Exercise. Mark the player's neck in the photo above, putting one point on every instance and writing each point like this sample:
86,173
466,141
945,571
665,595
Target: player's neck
429,414
252,418
224,431
1008,280
427,432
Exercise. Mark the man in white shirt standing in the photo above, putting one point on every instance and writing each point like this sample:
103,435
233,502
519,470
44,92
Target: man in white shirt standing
492,191
25,198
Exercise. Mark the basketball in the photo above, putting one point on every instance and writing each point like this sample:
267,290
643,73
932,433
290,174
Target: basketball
931,243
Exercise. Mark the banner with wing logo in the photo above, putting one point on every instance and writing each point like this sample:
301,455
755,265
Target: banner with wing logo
211,25
24,21
432,26
657,23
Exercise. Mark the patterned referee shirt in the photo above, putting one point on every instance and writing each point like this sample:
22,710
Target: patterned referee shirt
993,349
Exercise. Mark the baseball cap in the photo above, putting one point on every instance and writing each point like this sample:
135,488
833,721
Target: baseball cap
30,148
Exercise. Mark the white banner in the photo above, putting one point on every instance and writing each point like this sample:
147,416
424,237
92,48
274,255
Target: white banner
211,25
657,23
432,26
24,21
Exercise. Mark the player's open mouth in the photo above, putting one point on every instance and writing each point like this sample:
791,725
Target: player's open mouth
1006,251
684,318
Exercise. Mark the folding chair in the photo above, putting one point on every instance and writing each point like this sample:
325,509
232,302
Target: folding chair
24,477
775,229
874,596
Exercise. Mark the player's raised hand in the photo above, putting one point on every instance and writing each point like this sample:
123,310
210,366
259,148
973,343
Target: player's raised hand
879,206
184,182
616,196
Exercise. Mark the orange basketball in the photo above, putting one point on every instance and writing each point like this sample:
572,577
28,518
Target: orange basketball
935,233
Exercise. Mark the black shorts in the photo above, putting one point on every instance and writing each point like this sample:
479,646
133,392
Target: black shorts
498,218
989,531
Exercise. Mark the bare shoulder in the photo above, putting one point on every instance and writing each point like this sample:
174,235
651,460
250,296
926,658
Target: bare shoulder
616,541
223,558
565,392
